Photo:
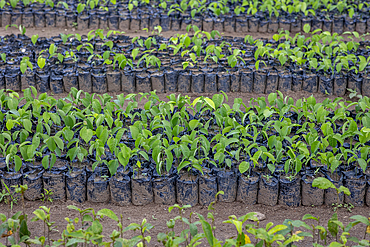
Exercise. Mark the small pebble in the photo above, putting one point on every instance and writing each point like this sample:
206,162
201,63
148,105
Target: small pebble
260,216
43,30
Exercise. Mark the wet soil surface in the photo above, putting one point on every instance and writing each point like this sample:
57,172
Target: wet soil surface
158,215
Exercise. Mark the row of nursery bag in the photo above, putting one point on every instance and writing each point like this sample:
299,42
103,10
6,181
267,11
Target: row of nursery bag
175,79
204,62
79,183
176,15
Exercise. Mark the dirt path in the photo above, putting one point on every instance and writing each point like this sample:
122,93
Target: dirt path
158,215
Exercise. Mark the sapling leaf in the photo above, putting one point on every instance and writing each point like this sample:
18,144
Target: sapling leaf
322,183
243,167
344,190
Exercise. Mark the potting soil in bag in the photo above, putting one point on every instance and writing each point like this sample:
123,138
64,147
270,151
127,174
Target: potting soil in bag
128,81
71,80
263,27
83,22
184,82
338,24
210,82
273,26
120,189
218,24
56,84
361,25
327,25
12,179
60,19
196,21
114,81
71,19
285,82
356,184
143,83
175,24
284,23
296,25
6,18
144,22
135,23
223,82
326,84
253,24
12,82
33,179
309,83
349,24
229,24
50,18
235,81
311,196
197,85
84,81
246,81
248,188
164,190
268,192
290,192
55,182
142,190
354,82
42,83
113,22
228,183
365,85
124,22
103,20
272,82
39,19
259,82
97,188
154,21
340,85
207,189
165,23
296,82
28,19
76,184
187,190
157,79
94,20
241,25
331,196
27,80
99,83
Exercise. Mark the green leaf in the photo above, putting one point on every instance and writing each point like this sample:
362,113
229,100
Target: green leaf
306,28
322,183
108,213
40,214
243,167
210,103
18,163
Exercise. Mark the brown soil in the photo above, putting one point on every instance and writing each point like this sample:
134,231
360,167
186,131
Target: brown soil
158,215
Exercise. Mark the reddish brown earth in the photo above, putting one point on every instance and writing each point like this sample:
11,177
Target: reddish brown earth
157,215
